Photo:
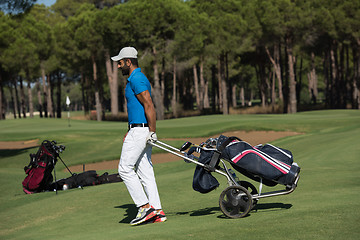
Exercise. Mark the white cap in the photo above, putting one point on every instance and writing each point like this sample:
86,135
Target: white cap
126,52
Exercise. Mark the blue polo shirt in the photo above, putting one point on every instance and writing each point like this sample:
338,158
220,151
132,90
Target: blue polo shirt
136,83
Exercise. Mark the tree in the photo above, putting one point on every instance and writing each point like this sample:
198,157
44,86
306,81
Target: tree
88,47
67,8
191,40
7,37
16,6
347,25
24,47
115,32
45,44
153,26
188,50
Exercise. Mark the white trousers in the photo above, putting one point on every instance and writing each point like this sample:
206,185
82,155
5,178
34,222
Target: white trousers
136,169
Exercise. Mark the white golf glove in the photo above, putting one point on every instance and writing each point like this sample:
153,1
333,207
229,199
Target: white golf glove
151,137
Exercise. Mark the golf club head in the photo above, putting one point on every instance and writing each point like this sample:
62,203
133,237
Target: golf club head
185,146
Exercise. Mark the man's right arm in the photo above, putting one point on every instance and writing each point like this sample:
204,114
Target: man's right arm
150,113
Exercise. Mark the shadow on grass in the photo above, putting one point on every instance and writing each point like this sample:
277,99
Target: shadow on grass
216,210
201,212
14,152
272,206
131,211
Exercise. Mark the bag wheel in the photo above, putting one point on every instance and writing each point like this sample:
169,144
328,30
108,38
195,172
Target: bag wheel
252,189
235,202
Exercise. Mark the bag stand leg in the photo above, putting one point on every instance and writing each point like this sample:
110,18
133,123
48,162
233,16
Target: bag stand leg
66,166
72,174
55,176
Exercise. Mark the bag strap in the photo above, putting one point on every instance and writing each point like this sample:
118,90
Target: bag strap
226,142
31,163
213,162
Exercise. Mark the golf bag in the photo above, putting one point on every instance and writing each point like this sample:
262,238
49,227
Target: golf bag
203,181
39,171
266,163
88,178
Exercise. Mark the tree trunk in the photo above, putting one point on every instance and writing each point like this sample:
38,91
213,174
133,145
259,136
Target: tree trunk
356,78
2,108
196,86
333,90
262,85
267,86
30,97
173,99
273,90
162,84
58,99
84,93
223,86
277,68
326,63
97,90
233,95
38,90
204,96
158,98
213,89
342,84
313,81
220,95
112,74
12,100
251,98
44,91
298,79
22,97
261,76
292,107
50,108
242,94
16,102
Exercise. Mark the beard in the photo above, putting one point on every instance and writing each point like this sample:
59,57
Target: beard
125,70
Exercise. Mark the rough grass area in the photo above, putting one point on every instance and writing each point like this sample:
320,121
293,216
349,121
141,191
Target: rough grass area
324,206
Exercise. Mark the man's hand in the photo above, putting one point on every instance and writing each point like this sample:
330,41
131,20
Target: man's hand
151,137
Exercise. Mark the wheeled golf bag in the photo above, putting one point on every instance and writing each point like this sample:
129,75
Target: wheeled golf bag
39,171
266,163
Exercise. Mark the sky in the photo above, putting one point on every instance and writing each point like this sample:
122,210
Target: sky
46,2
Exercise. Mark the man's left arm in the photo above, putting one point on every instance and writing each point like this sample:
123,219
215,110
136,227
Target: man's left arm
145,99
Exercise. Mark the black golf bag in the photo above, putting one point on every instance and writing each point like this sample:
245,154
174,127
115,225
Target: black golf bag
263,163
39,171
267,163
88,178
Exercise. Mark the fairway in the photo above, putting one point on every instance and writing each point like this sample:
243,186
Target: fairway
326,204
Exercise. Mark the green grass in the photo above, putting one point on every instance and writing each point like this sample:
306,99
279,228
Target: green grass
326,204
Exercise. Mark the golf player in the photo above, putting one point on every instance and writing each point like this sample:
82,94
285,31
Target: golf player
135,166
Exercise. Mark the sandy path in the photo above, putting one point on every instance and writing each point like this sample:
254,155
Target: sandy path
18,144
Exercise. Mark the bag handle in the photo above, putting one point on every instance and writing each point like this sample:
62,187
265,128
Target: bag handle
226,142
